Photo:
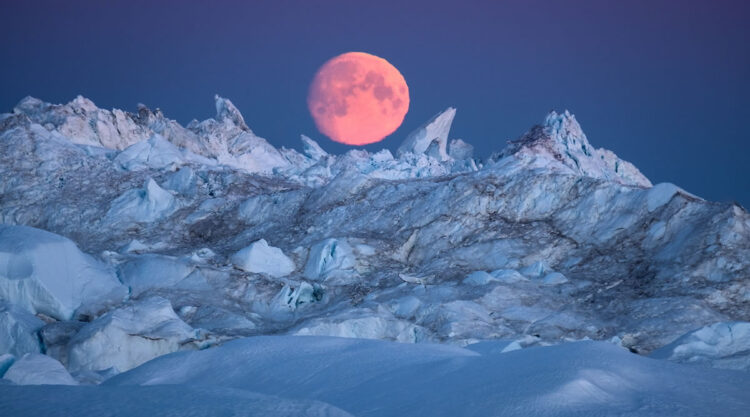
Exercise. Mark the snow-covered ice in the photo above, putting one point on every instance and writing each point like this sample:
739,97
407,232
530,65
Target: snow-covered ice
161,400
546,242
460,150
146,204
46,273
128,336
479,278
312,149
332,258
18,330
261,258
661,194
720,345
361,324
6,360
377,378
38,369
433,133
148,271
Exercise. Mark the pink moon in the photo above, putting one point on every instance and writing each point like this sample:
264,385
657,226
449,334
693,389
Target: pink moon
358,98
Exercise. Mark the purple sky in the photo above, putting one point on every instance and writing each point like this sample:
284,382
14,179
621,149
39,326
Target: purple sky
664,84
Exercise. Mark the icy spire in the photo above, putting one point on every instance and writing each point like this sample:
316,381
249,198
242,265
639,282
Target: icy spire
225,110
312,149
435,130
564,129
147,204
560,140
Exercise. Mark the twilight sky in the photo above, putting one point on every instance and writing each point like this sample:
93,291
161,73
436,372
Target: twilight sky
663,84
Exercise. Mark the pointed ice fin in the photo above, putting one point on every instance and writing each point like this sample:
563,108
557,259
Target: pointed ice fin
312,149
158,199
225,110
564,129
436,129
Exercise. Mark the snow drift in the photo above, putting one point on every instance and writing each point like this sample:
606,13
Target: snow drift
376,378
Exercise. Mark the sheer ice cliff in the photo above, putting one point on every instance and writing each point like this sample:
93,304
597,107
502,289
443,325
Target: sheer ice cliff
126,236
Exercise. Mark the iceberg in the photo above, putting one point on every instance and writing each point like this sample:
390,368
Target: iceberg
148,204
548,242
128,336
330,257
261,258
46,273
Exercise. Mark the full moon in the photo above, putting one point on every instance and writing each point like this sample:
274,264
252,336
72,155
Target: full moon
357,98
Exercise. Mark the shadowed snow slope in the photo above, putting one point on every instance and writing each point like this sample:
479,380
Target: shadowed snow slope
37,369
376,378
163,401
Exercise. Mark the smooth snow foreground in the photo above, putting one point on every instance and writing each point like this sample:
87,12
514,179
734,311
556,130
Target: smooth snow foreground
162,401
378,378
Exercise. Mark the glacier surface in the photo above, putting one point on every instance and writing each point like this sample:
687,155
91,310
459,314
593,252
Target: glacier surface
126,236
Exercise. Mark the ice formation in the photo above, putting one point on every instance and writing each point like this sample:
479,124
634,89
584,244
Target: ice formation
146,204
156,153
151,271
46,273
38,369
166,248
434,133
329,257
562,139
128,336
18,330
721,345
261,258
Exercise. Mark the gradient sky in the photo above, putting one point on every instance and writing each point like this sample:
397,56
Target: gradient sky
664,84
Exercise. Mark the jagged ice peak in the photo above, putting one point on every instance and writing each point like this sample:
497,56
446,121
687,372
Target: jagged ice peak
558,145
